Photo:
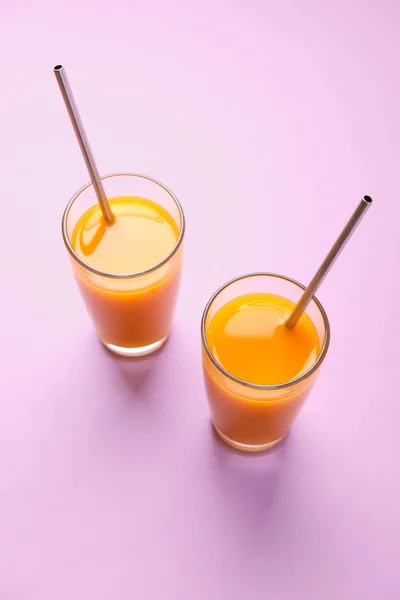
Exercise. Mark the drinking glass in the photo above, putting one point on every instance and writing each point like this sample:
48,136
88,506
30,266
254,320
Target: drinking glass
253,417
132,313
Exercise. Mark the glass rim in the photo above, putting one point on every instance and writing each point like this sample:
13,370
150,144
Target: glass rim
88,267
257,386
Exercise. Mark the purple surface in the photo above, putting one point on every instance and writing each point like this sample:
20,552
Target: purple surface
269,121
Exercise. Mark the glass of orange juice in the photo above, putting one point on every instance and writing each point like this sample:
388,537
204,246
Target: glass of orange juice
257,372
128,272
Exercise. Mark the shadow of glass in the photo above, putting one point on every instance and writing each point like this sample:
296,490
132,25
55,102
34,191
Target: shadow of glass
138,374
250,485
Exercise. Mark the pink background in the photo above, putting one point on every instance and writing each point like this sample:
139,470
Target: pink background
269,120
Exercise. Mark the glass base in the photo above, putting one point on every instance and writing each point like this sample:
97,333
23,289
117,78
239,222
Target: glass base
246,447
134,352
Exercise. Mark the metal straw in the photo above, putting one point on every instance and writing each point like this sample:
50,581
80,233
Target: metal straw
328,262
72,109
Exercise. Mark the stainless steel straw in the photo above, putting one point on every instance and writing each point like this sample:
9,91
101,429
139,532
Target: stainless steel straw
72,109
328,262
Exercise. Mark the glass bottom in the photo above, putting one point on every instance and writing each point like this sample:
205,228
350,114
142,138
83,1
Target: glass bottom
134,352
246,447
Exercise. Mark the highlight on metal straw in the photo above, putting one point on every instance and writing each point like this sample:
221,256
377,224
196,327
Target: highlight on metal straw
70,104
329,261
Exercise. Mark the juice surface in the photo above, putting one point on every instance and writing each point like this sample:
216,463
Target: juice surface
248,337
143,234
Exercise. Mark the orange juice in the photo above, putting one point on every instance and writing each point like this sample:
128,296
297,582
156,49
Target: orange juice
248,338
130,300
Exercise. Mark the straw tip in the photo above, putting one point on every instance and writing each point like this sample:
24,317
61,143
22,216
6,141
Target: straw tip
367,199
58,68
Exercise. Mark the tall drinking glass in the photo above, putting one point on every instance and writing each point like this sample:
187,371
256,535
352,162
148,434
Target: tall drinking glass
132,312
246,415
